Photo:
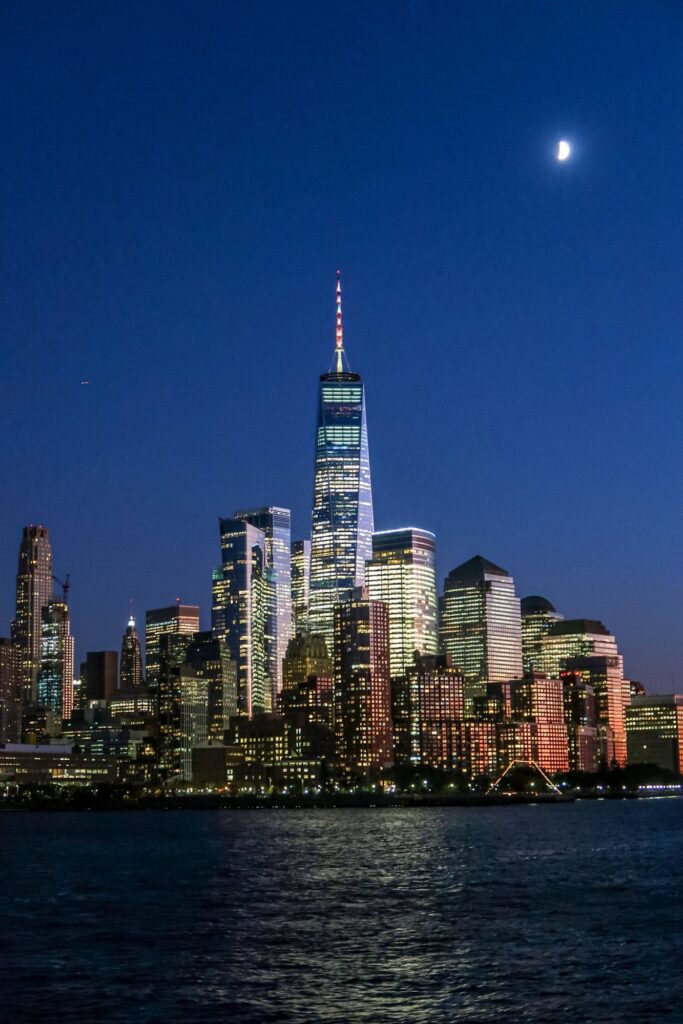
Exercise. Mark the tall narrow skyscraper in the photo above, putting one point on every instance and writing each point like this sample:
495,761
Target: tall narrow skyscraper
240,598
34,590
275,524
362,686
341,540
55,680
131,658
301,585
481,625
402,574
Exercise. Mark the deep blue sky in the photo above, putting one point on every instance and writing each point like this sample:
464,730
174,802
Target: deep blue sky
179,183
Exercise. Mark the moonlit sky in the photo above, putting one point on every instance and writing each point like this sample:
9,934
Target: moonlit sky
179,183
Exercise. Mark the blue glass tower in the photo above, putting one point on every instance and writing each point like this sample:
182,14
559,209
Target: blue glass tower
341,538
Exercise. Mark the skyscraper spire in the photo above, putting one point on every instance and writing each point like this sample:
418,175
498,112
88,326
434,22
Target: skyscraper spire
341,539
339,345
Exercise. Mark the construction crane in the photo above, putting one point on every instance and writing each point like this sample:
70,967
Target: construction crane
65,585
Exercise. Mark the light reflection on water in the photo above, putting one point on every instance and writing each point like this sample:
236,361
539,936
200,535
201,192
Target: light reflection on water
534,914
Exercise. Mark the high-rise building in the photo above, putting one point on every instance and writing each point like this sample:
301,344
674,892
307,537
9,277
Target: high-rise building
56,674
209,658
654,731
481,626
538,617
131,658
587,646
605,673
579,716
429,703
276,528
341,539
307,682
171,691
301,582
241,592
10,693
191,691
362,684
572,638
99,676
178,618
541,700
34,590
402,574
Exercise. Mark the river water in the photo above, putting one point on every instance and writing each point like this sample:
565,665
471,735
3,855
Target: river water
549,913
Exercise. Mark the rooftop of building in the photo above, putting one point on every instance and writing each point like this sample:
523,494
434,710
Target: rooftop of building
475,569
534,605
578,627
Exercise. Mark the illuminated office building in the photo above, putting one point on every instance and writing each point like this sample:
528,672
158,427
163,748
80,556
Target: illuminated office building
183,721
131,658
587,646
654,731
171,652
56,674
10,692
209,658
402,574
428,706
177,619
579,716
480,625
571,638
538,617
541,700
605,673
34,590
301,581
362,686
275,525
341,539
241,592
307,682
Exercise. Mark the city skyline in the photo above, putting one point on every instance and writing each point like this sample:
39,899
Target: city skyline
277,540
514,319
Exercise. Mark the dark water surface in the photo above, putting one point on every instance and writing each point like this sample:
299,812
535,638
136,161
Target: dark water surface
537,914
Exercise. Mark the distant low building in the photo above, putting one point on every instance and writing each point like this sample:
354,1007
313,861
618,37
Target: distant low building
654,731
24,764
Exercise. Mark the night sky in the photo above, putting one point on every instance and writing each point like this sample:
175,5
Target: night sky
179,183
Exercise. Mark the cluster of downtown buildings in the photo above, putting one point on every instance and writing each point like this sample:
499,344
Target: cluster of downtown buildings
329,660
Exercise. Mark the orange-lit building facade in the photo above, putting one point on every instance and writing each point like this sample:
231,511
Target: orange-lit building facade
362,687
540,700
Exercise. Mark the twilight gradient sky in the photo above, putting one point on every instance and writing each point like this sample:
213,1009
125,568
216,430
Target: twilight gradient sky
178,184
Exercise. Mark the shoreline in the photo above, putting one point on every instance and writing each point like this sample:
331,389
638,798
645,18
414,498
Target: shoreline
216,802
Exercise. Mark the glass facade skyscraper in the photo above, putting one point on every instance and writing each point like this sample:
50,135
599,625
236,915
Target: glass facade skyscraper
481,625
34,590
402,574
240,606
538,617
55,683
275,524
341,539
301,584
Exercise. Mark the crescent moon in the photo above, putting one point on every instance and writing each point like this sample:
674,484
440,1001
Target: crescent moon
563,150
